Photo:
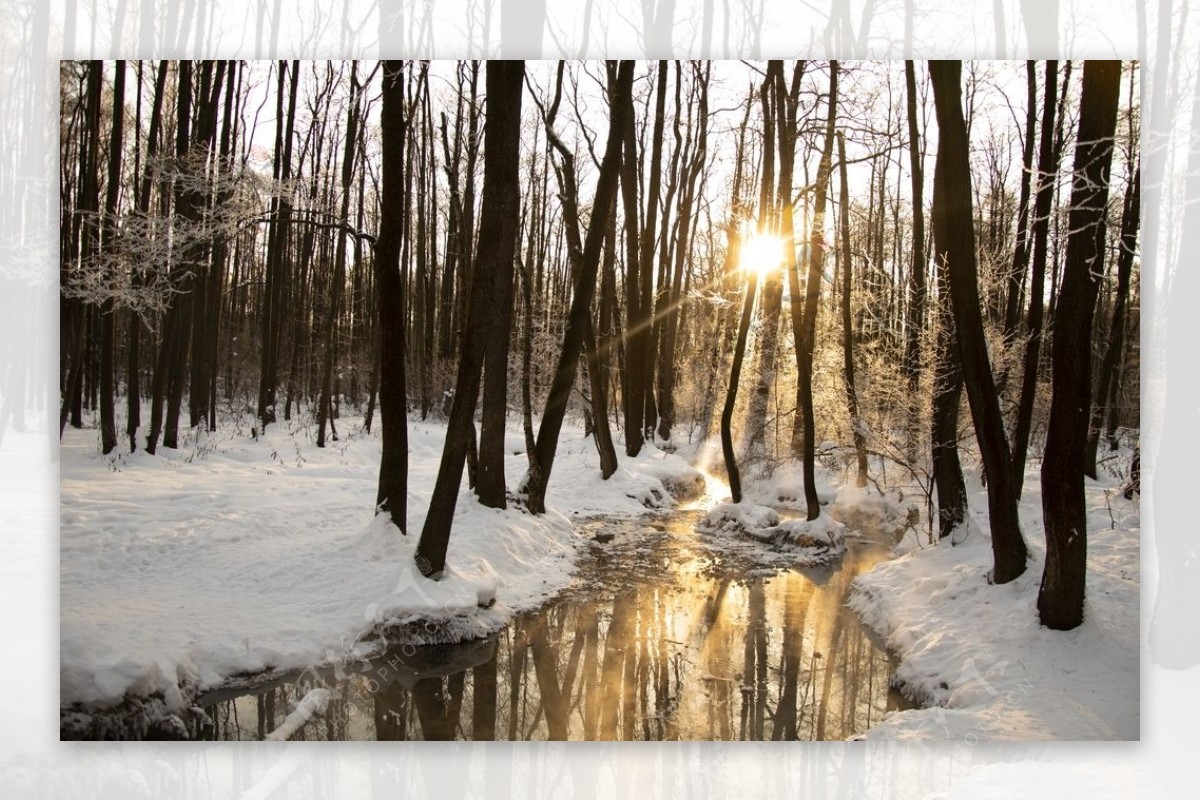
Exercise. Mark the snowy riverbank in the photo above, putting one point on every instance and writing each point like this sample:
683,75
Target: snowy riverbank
975,655
233,555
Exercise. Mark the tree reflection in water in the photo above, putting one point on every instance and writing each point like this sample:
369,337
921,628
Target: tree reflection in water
671,645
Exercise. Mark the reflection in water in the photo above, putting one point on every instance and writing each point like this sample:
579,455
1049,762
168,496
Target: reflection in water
662,641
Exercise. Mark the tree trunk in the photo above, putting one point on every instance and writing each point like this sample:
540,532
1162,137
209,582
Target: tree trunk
812,293
392,495
1060,599
133,371
108,422
564,375
1106,389
947,396
916,277
491,284
1047,178
339,260
856,424
735,372
501,166
955,238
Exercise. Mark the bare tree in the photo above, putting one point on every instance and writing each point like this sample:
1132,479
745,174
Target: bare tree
1060,599
954,236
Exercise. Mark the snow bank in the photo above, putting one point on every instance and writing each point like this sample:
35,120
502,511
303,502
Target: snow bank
236,556
977,656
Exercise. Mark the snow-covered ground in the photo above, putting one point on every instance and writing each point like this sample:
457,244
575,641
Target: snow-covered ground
233,555
974,654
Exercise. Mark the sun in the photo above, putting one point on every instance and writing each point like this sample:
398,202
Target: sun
761,253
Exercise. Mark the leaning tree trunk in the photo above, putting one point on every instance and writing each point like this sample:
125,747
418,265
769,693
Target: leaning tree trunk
564,374
955,240
1060,600
491,293
597,423
735,373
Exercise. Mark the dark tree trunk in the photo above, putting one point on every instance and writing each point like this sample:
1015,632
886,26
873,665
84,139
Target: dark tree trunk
947,396
915,323
133,372
392,495
88,212
638,301
502,135
1016,274
108,421
1107,386
673,324
735,372
1047,178
277,245
493,268
596,417
1060,600
955,238
339,260
564,374
812,294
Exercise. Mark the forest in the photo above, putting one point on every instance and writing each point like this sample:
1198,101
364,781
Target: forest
793,311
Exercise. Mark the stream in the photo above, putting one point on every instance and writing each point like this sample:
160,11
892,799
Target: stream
661,637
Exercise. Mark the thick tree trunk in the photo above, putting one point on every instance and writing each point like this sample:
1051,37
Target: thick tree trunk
491,287
392,495
1060,600
502,132
955,238
947,396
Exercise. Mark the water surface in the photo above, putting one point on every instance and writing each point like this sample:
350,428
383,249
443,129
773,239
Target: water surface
661,638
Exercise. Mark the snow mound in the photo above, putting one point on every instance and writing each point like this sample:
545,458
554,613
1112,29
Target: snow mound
737,518
823,533
859,508
754,533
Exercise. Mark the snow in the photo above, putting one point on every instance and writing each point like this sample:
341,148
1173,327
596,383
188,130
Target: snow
975,655
313,704
234,556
